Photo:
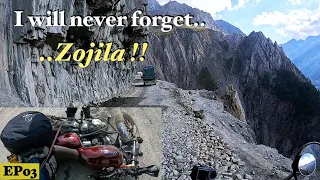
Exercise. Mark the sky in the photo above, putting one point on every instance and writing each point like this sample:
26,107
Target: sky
281,20
306,159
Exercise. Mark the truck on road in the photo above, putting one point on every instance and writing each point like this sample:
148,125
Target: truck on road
146,77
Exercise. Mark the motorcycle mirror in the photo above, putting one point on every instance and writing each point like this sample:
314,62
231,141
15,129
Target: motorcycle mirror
307,164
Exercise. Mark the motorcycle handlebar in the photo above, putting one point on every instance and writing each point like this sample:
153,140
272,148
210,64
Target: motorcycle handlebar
151,170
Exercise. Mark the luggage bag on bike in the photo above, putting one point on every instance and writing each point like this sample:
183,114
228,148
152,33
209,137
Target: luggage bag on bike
26,131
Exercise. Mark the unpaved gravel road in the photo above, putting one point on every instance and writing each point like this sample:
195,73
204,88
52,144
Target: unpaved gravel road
147,119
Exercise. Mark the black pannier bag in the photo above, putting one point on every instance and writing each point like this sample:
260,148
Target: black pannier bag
203,173
28,130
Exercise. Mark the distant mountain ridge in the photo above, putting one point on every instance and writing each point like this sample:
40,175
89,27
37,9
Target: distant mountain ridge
153,4
176,8
305,54
229,28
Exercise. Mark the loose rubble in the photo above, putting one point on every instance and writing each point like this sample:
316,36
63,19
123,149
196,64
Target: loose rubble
190,141
191,137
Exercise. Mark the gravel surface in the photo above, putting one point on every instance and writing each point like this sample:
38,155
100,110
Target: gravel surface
197,130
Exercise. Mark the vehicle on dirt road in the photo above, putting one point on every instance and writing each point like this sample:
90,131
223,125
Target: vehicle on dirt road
145,78
149,77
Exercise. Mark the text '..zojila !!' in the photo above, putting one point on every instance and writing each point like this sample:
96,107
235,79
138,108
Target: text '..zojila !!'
102,52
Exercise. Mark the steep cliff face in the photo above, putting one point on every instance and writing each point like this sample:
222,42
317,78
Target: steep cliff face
277,96
5,29
192,54
271,89
61,84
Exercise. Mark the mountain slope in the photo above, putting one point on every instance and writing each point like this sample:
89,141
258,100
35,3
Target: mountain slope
271,89
278,99
228,28
36,83
153,5
305,55
174,8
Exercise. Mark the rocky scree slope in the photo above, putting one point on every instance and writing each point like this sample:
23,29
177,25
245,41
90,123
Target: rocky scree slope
197,130
279,102
35,83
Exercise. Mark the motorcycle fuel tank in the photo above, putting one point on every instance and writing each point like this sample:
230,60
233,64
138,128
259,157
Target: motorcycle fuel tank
69,140
100,157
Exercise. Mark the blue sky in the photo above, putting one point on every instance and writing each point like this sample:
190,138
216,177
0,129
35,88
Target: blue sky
281,20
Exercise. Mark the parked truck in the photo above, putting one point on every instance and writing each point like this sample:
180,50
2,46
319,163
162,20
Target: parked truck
149,76
146,77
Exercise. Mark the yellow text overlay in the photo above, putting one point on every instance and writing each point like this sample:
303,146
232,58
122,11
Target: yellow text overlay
19,171
94,53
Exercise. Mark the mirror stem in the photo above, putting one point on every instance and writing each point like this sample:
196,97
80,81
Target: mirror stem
289,177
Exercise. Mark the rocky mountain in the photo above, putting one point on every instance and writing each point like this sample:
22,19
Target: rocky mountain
278,100
228,28
174,8
153,5
305,55
24,77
